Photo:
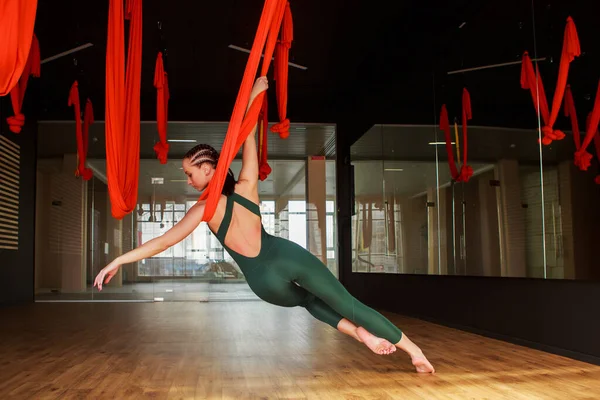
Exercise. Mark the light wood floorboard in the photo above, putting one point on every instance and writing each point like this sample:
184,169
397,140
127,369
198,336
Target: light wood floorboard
253,350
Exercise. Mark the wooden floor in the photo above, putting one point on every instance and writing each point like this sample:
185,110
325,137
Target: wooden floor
237,350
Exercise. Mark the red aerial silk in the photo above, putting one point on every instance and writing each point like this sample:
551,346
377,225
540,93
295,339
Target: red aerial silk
570,50
240,126
571,112
583,159
597,143
445,127
264,169
161,84
17,94
82,137
17,19
466,171
88,119
123,106
281,72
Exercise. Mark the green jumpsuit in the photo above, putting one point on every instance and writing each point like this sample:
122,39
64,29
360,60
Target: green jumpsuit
287,275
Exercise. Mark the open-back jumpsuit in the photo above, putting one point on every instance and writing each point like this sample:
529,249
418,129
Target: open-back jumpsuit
287,275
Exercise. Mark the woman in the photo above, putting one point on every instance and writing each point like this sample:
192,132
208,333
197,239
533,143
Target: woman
277,270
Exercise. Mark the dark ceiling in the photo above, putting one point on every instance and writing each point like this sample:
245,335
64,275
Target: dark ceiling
382,61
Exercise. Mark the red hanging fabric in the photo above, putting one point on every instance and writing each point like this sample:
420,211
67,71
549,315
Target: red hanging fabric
572,113
582,157
88,119
570,50
17,19
281,72
597,143
466,171
82,137
445,127
240,126
264,169
161,84
259,143
17,94
532,81
123,106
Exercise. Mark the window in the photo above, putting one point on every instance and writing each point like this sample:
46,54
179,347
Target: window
297,222
191,256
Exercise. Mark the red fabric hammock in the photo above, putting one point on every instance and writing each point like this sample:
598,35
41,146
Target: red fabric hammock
240,126
570,50
571,112
583,159
281,72
466,171
88,119
161,83
17,94
82,137
264,169
123,107
17,19
597,144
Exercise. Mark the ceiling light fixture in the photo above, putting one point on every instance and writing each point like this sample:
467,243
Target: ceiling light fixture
393,169
182,140
66,53
291,64
440,143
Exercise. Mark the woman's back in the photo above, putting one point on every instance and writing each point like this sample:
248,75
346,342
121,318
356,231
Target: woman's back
244,233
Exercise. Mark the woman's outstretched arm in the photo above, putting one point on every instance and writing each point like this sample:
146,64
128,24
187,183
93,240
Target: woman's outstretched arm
157,245
249,172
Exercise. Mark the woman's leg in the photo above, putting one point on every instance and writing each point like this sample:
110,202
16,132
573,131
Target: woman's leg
321,311
313,276
416,355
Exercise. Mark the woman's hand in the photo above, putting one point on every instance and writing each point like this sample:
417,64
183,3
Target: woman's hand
107,272
261,84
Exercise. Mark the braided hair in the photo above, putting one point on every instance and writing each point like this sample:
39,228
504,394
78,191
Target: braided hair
204,153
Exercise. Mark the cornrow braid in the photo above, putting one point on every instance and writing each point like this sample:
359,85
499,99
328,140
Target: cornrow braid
204,153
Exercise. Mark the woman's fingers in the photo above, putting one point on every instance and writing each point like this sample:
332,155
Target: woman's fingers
99,279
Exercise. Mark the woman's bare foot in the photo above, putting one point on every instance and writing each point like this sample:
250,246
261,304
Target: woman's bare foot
377,345
422,364
416,355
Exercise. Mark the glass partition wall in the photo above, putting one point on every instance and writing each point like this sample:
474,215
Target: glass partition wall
519,206
77,235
